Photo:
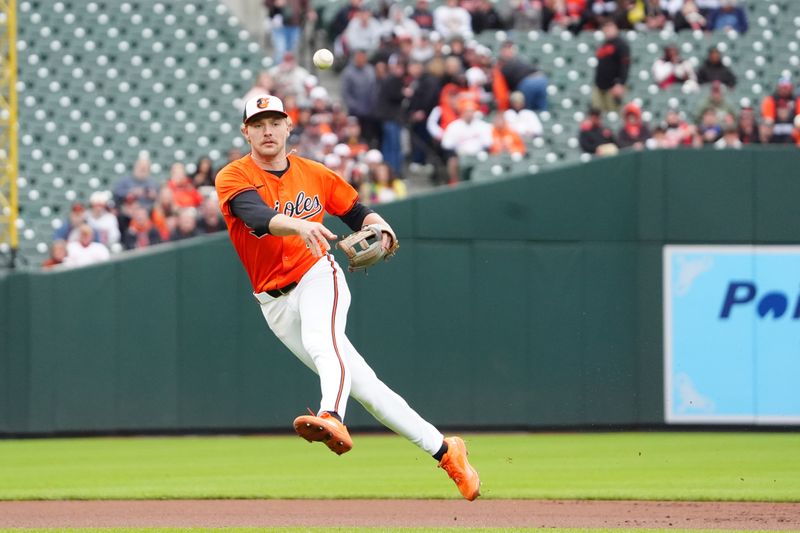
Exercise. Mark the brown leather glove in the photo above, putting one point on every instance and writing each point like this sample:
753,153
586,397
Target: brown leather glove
364,248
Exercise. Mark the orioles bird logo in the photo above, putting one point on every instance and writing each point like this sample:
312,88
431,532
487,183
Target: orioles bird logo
262,103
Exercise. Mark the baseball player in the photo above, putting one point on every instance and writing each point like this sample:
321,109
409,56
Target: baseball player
274,204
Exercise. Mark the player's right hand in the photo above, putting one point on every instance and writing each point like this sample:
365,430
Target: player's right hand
316,237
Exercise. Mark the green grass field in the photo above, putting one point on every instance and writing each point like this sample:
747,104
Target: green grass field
663,466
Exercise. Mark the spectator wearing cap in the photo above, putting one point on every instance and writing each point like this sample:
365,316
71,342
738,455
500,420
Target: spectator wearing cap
363,32
728,16
422,15
328,141
521,119
633,133
519,75
477,82
388,111
594,134
321,106
451,20
670,69
286,18
309,83
611,73
139,186
186,228
85,250
103,222
467,135
781,105
717,102
334,162
713,69
68,230
359,87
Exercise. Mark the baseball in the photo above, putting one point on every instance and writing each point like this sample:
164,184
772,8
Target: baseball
323,58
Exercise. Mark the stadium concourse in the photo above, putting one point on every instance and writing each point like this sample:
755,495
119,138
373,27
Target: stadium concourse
115,92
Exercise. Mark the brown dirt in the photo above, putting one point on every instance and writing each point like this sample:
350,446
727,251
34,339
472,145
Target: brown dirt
400,513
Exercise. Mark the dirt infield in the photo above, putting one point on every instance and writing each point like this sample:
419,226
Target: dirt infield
399,513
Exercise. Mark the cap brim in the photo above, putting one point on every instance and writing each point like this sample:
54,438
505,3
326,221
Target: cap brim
262,114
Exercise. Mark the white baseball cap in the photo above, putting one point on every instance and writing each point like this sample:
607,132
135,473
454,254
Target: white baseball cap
262,104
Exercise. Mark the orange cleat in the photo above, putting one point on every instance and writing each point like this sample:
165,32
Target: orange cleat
457,466
324,428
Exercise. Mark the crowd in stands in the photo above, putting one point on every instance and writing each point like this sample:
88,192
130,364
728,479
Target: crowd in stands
417,93
140,211
716,121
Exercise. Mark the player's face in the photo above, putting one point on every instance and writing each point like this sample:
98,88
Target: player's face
267,135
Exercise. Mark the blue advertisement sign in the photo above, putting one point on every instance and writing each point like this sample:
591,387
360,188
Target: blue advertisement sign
732,334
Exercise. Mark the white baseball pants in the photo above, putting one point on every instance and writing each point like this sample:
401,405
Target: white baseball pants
310,321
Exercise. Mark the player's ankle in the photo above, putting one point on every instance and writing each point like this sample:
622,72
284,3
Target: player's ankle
443,450
334,414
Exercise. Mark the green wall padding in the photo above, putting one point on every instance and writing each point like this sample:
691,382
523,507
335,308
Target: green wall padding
526,302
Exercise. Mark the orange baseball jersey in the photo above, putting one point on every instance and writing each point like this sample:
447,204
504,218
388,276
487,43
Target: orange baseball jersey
304,191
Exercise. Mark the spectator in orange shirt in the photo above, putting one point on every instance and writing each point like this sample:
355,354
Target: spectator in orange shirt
783,97
184,193
504,139
141,232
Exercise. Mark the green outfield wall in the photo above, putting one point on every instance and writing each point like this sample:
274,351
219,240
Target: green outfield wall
532,301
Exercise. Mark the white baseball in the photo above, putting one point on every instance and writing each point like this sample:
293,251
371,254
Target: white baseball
323,58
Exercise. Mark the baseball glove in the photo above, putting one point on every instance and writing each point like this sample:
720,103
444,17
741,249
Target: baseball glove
364,248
